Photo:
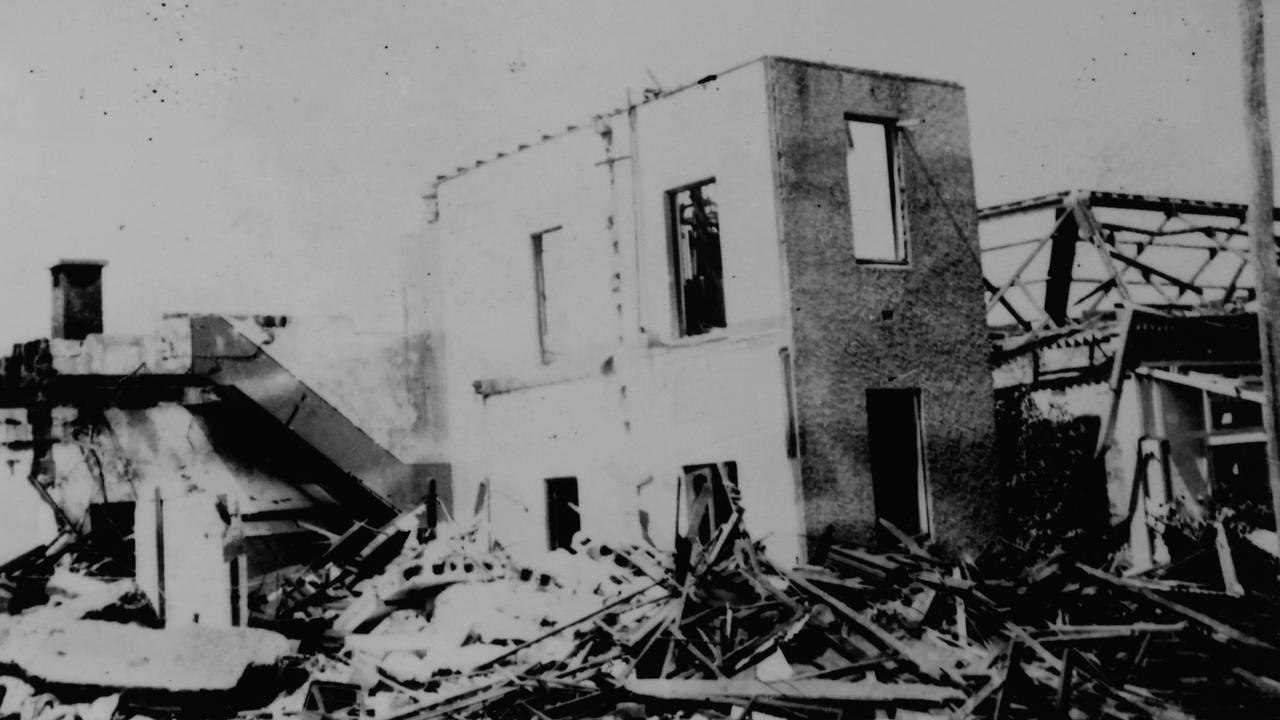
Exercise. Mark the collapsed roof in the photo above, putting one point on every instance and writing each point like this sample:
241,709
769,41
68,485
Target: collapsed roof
1061,269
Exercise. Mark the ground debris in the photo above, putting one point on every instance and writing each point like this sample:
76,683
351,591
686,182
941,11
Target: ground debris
412,622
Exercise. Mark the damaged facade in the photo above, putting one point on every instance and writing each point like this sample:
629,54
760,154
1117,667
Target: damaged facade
206,463
1137,312
765,283
704,381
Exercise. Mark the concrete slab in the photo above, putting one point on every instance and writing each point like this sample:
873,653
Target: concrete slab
95,653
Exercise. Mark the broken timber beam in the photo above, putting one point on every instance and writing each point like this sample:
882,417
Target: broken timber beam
1218,628
865,625
813,689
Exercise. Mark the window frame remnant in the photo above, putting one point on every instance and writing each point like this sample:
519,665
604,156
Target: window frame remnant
788,382
722,478
545,351
891,412
564,518
697,258
876,175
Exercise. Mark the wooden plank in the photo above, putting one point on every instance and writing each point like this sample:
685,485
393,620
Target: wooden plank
871,562
1116,384
1005,699
1025,641
993,685
1219,629
723,533
1078,633
1230,581
1146,269
813,689
1268,686
907,541
1063,699
962,619
565,626
998,293
652,630
923,664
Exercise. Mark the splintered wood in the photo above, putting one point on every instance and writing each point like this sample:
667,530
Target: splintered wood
714,629
402,623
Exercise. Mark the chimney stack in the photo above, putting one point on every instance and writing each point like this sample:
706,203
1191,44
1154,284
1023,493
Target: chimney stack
77,298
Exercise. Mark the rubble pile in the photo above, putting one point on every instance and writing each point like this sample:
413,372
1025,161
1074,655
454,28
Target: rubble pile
412,623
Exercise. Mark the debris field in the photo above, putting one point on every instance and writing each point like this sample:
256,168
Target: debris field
411,622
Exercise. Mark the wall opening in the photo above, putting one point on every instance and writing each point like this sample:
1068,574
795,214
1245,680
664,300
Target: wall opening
895,439
551,305
872,167
563,520
1239,472
112,526
711,490
788,382
696,259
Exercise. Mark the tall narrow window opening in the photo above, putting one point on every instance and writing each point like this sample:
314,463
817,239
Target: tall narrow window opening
697,264
563,520
711,490
895,438
788,385
552,316
871,163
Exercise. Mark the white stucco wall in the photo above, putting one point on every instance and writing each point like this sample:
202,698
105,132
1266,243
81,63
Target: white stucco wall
382,381
720,129
26,521
635,402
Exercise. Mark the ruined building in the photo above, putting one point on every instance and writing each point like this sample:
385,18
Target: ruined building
765,283
1135,315
215,452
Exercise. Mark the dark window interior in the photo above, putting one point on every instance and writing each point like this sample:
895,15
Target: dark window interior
112,525
895,444
719,483
1240,482
563,520
545,331
699,272
1234,413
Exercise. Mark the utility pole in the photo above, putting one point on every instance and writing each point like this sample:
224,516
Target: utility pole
1262,230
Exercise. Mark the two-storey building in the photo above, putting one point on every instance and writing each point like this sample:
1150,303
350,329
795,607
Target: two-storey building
764,283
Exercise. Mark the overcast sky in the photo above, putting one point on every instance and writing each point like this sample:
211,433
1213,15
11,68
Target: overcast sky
271,155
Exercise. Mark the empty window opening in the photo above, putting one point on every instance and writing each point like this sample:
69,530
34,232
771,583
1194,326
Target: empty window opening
895,438
552,305
563,521
871,163
1229,413
1240,482
793,435
712,490
112,526
698,269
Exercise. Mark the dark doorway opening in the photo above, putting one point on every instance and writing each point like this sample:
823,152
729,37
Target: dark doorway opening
712,492
895,440
563,520
697,262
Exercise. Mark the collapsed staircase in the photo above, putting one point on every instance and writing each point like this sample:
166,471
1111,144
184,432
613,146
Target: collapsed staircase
369,480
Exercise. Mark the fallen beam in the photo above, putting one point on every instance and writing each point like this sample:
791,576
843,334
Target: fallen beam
878,634
1219,629
814,689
